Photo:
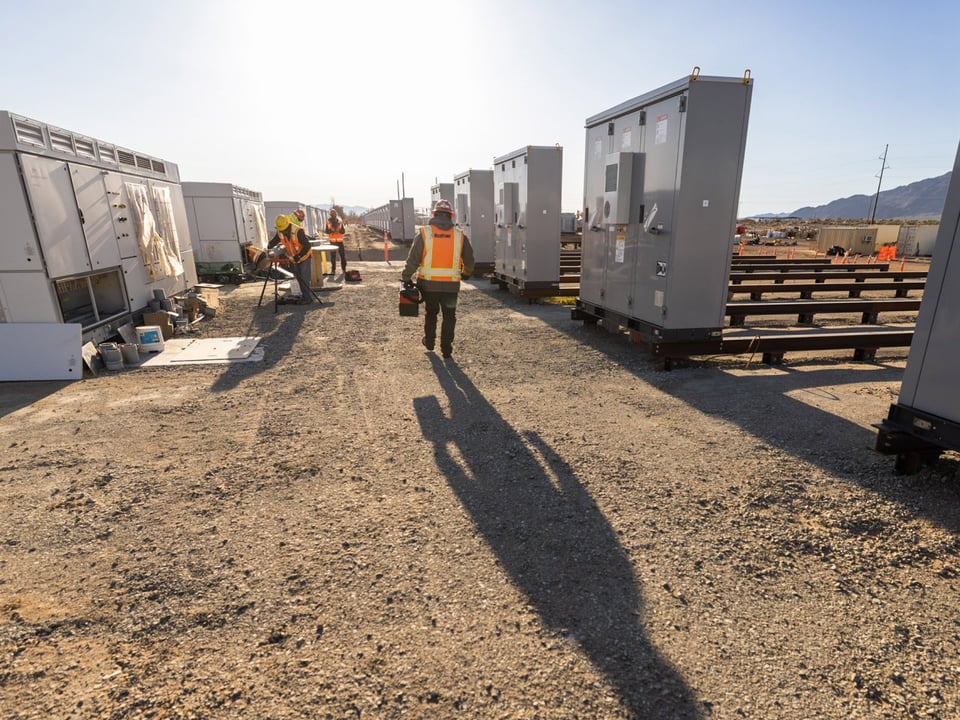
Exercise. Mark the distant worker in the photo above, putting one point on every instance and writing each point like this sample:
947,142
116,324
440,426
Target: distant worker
441,256
296,248
335,232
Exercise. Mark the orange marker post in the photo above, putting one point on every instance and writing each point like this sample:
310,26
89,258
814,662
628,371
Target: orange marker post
386,251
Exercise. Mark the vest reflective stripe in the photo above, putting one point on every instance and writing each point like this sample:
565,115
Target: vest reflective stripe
336,236
441,254
292,245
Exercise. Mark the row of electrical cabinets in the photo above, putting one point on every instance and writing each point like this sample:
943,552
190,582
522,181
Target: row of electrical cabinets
314,222
512,214
397,218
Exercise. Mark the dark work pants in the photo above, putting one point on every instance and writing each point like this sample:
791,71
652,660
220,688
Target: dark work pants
302,272
343,258
435,302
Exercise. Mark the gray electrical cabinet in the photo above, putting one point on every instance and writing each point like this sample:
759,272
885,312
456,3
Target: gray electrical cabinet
474,208
441,191
90,232
224,219
527,188
927,413
403,220
661,189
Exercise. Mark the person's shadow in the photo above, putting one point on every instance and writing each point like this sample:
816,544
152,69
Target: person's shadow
552,540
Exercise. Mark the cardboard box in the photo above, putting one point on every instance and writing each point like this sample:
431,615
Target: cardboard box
162,319
211,297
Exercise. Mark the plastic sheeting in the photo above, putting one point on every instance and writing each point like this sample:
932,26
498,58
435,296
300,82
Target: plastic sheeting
168,231
161,256
261,224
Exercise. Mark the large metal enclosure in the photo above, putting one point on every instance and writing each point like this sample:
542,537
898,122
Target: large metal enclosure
224,220
90,232
441,191
527,186
927,413
474,208
661,189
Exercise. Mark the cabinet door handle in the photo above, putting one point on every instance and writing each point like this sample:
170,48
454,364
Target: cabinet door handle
82,221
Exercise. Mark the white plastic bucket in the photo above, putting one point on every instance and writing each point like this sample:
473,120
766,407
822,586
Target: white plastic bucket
130,352
112,358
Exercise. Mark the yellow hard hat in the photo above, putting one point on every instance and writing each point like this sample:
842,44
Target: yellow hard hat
282,222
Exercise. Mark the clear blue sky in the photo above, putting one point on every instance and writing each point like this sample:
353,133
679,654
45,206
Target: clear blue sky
317,100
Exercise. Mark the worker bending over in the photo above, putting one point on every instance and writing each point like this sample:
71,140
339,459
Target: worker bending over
296,247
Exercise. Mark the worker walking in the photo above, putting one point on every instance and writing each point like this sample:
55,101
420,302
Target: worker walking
296,247
441,256
335,232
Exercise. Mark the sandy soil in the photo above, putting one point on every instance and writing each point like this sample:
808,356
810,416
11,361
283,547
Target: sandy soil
545,526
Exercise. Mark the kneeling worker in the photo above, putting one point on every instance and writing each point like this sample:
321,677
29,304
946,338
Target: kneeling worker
296,247
441,255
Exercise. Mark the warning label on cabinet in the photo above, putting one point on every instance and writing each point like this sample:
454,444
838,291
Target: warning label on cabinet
661,134
620,248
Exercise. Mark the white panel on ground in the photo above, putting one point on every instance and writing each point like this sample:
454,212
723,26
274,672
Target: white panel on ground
40,351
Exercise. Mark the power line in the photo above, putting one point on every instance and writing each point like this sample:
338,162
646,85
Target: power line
876,198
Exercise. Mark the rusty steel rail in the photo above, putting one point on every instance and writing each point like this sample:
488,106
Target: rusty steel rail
805,309
806,289
857,273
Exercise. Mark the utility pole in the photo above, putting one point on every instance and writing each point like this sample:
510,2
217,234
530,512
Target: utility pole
876,198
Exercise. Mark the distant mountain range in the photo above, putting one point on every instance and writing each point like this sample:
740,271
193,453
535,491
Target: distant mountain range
921,200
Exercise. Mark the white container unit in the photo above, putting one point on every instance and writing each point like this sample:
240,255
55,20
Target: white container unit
527,184
316,221
474,208
917,240
224,219
91,231
280,207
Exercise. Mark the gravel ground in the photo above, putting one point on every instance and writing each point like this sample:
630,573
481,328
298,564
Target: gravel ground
545,526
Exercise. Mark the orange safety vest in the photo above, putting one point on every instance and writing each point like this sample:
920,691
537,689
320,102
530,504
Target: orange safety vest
335,236
441,254
292,244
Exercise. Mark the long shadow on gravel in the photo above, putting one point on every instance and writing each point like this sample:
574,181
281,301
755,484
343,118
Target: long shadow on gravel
757,403
277,334
552,540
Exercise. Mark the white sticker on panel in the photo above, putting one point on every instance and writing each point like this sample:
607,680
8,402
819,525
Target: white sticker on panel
661,135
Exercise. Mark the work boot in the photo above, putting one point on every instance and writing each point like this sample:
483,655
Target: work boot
428,344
